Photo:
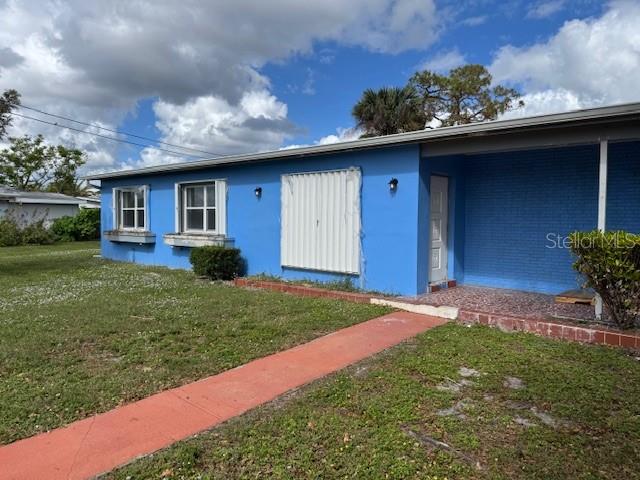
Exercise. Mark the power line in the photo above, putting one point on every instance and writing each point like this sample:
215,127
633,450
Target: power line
56,124
119,132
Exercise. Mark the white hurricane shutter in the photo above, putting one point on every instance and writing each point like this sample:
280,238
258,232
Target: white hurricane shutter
321,221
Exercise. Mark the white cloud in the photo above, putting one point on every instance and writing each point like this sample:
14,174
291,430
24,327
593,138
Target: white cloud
257,123
548,101
545,9
444,61
308,87
586,63
474,21
341,135
9,58
100,153
96,60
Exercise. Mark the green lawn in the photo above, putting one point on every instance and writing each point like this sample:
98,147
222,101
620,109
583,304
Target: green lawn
80,335
379,419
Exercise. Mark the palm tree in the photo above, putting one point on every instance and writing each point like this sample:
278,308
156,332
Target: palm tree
389,110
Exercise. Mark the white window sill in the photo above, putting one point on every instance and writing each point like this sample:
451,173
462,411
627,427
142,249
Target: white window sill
130,236
197,240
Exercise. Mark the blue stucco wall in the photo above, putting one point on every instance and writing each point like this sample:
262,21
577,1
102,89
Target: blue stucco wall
389,220
623,191
518,205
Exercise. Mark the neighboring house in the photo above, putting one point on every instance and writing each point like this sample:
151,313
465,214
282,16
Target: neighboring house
30,207
482,204
89,202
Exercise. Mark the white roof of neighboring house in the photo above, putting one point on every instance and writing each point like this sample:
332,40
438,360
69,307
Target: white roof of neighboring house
89,202
17,196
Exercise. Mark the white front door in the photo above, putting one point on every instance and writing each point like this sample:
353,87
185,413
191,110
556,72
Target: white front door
439,212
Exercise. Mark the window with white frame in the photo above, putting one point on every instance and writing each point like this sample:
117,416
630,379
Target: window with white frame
130,208
202,207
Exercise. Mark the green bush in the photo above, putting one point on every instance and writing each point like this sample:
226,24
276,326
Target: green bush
37,234
88,224
83,226
217,263
10,233
64,228
610,264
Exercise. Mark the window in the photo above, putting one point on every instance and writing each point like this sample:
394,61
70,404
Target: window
202,207
321,221
130,208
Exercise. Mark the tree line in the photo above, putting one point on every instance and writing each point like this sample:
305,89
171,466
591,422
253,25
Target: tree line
31,164
432,100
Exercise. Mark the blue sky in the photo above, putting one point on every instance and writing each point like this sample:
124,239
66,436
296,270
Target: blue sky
321,87
337,85
241,76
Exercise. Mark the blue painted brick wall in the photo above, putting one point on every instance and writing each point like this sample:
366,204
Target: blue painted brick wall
623,206
513,201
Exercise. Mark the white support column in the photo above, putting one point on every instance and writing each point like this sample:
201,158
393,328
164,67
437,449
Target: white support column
602,203
602,191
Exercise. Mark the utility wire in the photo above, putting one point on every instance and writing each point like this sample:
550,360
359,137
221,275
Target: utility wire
119,132
56,124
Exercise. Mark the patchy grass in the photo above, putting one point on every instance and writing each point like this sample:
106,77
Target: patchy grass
80,335
384,417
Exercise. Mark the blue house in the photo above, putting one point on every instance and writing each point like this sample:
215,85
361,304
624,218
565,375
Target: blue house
486,204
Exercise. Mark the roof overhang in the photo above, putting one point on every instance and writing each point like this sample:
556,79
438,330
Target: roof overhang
43,201
622,121
539,137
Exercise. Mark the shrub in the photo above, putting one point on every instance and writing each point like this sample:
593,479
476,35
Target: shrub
88,224
217,263
10,233
64,228
83,226
37,234
610,264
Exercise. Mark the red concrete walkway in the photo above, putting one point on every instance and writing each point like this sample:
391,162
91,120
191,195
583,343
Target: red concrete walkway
99,444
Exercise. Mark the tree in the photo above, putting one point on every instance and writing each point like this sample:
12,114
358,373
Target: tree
389,110
464,96
30,164
65,174
9,100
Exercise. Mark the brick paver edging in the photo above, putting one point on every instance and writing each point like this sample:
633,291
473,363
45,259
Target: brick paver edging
575,333
303,290
565,331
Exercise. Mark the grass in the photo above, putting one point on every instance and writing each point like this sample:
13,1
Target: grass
81,335
378,419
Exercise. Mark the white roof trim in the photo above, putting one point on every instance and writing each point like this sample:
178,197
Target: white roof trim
444,133
42,201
